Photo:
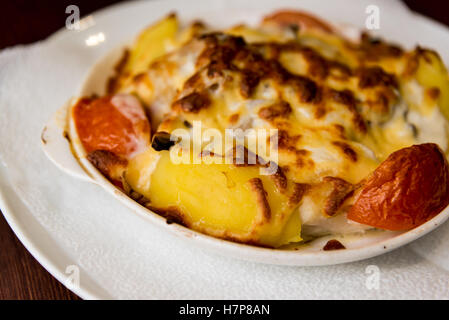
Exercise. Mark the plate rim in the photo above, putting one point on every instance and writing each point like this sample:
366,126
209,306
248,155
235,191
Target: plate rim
26,237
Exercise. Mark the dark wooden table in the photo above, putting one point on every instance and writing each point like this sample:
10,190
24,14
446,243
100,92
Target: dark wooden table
21,276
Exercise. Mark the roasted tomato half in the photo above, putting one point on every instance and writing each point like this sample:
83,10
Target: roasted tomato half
114,123
112,130
303,20
409,188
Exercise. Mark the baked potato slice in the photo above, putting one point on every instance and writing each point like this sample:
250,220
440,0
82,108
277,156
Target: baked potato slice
254,35
224,200
151,43
430,71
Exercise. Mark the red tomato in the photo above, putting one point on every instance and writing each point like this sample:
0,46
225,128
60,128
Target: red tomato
300,18
409,188
103,125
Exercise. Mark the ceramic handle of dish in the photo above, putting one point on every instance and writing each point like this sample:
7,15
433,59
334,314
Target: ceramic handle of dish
57,147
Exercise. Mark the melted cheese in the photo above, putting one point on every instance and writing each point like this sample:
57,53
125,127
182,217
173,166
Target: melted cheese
340,109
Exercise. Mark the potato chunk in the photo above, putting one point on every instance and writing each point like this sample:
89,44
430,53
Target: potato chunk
223,200
151,44
431,73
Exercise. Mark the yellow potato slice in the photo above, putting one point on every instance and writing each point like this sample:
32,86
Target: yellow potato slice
252,35
152,43
431,73
219,199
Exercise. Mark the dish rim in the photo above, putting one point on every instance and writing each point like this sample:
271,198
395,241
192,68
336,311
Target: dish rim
225,247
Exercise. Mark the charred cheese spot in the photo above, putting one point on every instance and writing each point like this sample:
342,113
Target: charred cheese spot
433,93
278,110
345,97
108,163
375,76
280,180
287,142
193,103
298,193
341,190
261,196
347,150
375,49
333,245
234,118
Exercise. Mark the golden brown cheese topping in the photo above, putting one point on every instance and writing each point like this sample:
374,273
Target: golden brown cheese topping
336,108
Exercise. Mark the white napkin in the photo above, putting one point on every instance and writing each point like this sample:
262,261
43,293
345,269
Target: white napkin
121,256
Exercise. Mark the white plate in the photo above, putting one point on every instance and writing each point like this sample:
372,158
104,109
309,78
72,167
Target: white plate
66,222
